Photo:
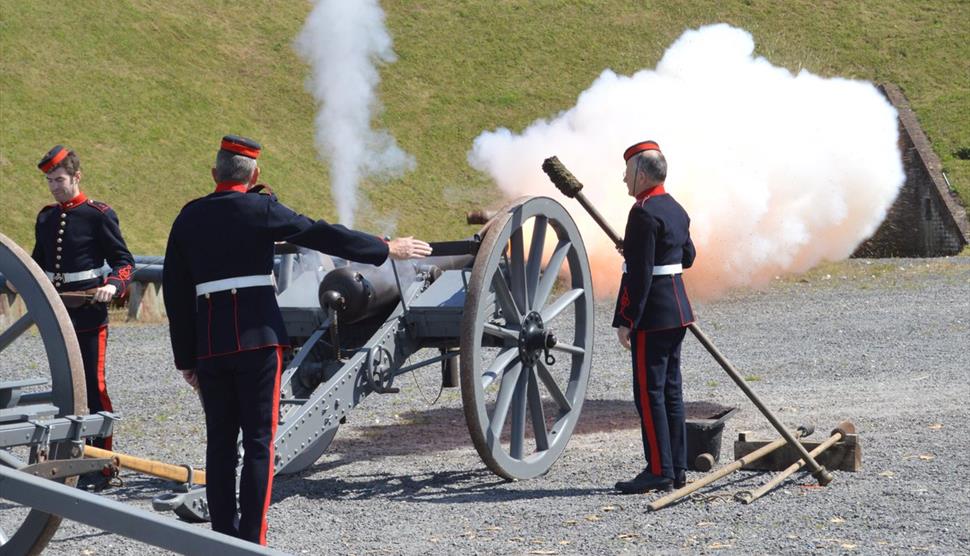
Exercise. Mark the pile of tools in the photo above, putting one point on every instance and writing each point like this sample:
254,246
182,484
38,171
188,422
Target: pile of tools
839,451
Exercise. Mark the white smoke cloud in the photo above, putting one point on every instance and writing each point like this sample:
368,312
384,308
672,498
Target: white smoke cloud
343,43
778,171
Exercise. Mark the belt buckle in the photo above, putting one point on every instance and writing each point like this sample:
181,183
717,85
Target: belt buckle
58,277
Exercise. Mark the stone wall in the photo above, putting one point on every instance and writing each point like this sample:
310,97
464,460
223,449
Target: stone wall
927,219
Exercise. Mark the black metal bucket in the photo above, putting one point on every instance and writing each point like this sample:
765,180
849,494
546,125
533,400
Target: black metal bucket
705,423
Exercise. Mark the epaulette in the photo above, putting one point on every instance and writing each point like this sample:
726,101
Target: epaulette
261,189
103,207
47,207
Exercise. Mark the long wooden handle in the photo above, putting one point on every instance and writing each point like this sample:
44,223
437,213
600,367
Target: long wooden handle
168,471
749,497
713,476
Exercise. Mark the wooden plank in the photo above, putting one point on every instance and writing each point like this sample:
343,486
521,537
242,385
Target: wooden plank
844,455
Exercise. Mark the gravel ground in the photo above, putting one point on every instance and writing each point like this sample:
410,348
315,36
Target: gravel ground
882,343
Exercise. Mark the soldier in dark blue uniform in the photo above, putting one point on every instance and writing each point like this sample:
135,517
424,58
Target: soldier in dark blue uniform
227,332
652,313
74,238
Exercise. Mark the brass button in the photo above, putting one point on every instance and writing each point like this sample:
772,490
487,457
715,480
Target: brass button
58,257
207,296
63,215
57,265
59,248
60,240
60,232
234,291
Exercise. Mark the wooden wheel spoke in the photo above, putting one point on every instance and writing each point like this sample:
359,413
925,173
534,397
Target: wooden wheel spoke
554,391
505,300
517,270
534,264
501,333
519,401
15,330
537,413
552,310
499,366
505,394
549,275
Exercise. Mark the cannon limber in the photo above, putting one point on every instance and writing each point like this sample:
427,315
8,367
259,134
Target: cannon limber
509,313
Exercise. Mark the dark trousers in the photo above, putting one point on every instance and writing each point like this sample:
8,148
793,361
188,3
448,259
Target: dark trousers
93,344
240,391
658,394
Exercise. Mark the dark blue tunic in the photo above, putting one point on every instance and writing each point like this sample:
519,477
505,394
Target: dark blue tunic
77,236
230,234
657,234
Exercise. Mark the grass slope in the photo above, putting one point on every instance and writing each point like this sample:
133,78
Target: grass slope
143,90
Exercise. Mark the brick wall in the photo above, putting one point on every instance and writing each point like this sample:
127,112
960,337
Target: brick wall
927,219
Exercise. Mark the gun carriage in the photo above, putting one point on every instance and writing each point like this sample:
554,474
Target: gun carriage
509,314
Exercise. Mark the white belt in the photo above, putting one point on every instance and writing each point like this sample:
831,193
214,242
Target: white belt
68,277
237,282
664,270
668,269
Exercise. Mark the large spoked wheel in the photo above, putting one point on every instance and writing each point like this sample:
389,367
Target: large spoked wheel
526,338
31,530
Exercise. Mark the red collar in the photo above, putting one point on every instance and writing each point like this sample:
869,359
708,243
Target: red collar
78,200
236,186
652,192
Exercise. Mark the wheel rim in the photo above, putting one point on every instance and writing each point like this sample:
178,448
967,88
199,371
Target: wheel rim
47,312
512,314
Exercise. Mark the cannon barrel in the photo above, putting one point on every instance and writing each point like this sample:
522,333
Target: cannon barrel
359,291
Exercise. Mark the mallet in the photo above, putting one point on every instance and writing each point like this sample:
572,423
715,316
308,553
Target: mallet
801,432
844,429
571,187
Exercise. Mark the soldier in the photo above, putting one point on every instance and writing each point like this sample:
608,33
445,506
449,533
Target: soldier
74,238
652,313
226,328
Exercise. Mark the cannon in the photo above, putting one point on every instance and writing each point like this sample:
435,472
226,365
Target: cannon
507,313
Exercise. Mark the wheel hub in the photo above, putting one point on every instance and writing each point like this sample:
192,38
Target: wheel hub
534,339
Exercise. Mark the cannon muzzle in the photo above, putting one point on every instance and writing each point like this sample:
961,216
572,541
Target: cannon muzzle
360,291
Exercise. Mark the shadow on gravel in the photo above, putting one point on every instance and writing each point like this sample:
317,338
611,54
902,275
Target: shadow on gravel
445,487
443,428
427,431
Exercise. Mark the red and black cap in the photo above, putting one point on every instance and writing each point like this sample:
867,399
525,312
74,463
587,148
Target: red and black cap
241,145
53,157
639,148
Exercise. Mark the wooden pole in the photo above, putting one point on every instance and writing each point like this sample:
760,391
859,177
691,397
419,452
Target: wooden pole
168,471
722,472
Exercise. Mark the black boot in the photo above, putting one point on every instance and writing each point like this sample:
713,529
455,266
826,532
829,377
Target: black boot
645,482
680,480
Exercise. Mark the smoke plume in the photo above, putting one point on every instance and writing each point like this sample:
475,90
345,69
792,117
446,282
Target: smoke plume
778,172
344,42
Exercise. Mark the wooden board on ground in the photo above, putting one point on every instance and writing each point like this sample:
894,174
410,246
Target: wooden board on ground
844,455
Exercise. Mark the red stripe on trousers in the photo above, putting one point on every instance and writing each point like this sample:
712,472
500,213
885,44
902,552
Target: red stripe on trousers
102,384
272,443
645,409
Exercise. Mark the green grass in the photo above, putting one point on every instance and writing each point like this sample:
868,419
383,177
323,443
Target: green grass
145,89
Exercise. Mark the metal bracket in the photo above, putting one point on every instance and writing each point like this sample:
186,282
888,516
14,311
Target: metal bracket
43,444
61,468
